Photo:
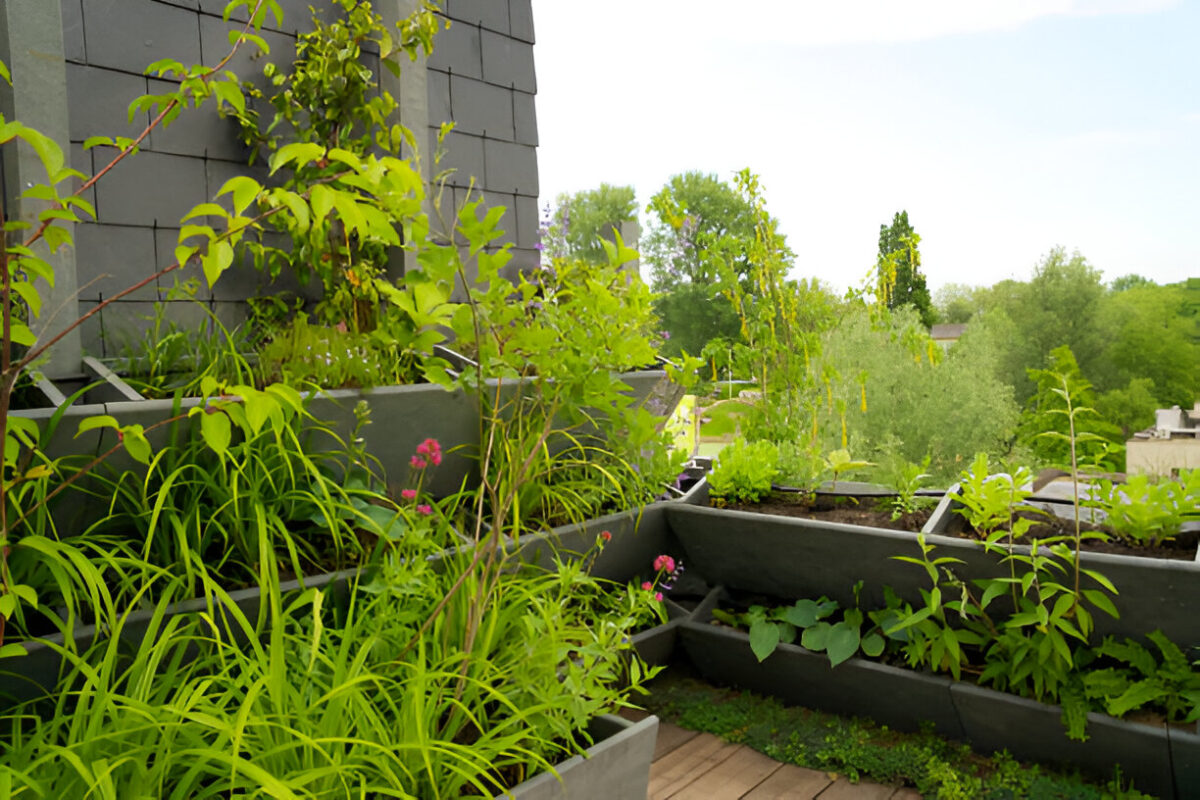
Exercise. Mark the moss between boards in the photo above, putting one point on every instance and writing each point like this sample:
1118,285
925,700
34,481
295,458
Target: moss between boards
859,749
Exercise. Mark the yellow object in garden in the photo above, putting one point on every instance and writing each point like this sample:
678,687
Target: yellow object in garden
682,424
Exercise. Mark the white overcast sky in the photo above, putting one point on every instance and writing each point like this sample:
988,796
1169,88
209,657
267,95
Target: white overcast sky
1003,127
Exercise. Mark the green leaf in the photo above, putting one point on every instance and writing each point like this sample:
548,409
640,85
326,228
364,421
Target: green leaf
12,651
136,443
321,199
217,260
843,642
1101,601
100,421
816,637
299,153
873,644
20,334
764,638
806,612
244,191
217,431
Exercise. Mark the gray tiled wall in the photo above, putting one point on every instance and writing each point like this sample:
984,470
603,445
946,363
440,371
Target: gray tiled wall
480,76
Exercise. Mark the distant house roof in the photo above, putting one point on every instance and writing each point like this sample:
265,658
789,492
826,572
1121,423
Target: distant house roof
941,332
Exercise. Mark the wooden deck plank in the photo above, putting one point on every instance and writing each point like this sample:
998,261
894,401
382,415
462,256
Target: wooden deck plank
790,782
842,789
671,737
687,763
732,778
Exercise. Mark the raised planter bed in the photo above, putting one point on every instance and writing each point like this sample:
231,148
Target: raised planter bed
789,558
616,766
1159,759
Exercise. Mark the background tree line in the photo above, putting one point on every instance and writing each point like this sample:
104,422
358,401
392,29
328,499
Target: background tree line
1129,346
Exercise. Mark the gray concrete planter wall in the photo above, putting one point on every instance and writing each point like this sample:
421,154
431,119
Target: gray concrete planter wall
401,418
1158,759
616,766
791,558
899,698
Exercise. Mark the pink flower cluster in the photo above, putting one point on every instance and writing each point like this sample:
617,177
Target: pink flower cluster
428,452
667,569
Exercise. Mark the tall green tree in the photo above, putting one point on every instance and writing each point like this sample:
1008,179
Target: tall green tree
699,224
574,228
1147,334
1058,306
899,267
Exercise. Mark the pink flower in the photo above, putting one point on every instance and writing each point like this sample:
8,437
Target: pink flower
409,494
664,564
648,586
424,509
658,596
606,536
431,449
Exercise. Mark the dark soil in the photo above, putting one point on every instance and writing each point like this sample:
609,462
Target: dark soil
869,511
848,510
1097,539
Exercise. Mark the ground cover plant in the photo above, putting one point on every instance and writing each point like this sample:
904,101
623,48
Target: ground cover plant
861,750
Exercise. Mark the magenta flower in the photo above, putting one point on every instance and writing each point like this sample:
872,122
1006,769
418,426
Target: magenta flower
664,564
606,536
417,462
648,586
424,509
409,494
431,449
658,596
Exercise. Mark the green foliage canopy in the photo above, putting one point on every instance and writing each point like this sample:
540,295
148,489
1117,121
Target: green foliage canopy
899,267
579,221
698,224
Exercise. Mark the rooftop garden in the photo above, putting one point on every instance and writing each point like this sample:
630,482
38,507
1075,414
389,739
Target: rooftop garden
406,540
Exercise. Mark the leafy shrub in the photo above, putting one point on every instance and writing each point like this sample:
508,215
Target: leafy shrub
744,472
1143,511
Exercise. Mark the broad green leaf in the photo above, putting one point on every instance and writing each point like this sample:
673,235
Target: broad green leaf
217,260
806,612
764,638
99,421
12,651
321,199
244,191
816,637
20,334
297,152
136,443
216,430
873,644
843,642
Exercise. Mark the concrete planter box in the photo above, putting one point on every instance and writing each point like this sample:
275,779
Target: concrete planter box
789,558
899,698
616,766
1159,759
1034,731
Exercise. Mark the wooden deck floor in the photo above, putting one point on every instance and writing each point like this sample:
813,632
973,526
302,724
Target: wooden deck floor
699,766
